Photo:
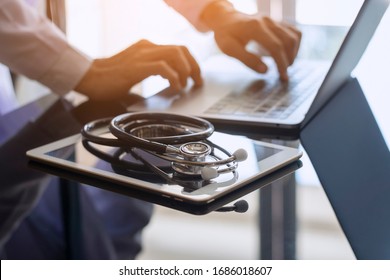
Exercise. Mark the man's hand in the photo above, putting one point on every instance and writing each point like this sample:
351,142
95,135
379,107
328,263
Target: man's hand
113,77
234,30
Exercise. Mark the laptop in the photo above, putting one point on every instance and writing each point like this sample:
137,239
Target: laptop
266,163
236,99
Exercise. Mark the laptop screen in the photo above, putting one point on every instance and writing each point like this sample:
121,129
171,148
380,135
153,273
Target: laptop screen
352,49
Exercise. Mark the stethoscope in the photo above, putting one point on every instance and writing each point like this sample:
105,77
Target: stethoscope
178,139
182,140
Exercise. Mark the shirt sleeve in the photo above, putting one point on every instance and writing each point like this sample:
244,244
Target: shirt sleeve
34,47
191,10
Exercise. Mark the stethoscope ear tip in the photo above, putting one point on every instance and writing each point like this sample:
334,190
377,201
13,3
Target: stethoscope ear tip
209,173
240,155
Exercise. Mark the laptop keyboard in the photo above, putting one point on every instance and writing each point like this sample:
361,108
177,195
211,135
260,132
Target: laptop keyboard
273,99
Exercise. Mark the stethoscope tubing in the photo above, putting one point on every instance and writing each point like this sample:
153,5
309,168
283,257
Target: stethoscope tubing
88,133
119,125
164,144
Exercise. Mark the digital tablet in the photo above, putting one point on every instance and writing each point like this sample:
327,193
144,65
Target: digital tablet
71,158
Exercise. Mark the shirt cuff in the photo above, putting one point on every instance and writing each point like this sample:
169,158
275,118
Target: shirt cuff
192,11
67,71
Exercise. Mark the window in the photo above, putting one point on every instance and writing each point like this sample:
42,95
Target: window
327,12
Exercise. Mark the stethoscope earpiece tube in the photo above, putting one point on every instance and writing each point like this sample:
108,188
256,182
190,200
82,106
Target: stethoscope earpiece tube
90,129
117,125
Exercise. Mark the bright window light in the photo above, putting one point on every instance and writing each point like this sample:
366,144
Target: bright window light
327,12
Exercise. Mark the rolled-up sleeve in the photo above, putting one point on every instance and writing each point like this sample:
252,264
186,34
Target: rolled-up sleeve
191,10
34,47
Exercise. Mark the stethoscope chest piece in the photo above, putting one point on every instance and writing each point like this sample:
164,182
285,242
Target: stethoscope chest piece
194,152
